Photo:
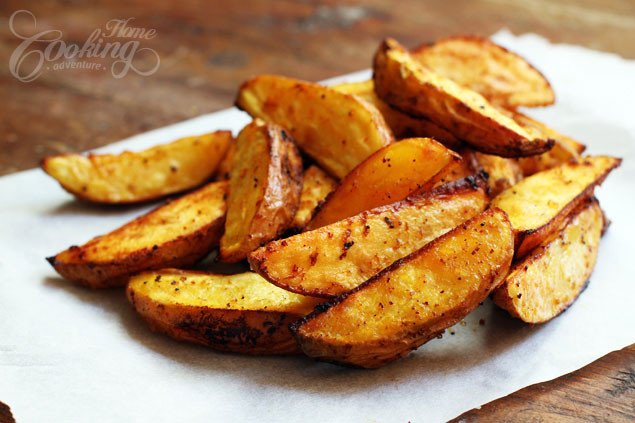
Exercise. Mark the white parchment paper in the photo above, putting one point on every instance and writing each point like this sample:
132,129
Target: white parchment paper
68,354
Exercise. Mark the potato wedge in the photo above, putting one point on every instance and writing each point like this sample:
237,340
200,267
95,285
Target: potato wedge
316,185
454,171
336,258
499,75
564,150
413,300
388,175
238,313
338,130
550,278
402,125
410,87
538,205
136,177
265,188
223,171
178,233
503,172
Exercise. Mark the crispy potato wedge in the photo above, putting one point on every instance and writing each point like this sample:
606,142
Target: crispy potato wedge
223,171
338,130
497,74
336,258
410,87
265,188
136,177
550,278
316,185
237,313
503,172
564,150
388,175
453,171
178,233
539,204
402,125
413,300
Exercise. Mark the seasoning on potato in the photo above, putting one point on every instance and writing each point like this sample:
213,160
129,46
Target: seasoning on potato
264,189
137,177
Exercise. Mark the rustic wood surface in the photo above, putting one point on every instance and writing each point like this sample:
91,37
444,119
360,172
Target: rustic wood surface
208,48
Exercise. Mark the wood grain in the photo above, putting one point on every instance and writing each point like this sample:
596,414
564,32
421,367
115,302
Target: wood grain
603,391
208,48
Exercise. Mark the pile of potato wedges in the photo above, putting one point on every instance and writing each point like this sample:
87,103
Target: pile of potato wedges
373,215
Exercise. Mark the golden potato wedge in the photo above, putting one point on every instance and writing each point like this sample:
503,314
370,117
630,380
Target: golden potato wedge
503,172
564,150
336,258
388,175
223,171
410,87
413,300
316,185
338,130
539,204
550,278
454,171
237,313
264,192
402,125
136,177
178,233
499,75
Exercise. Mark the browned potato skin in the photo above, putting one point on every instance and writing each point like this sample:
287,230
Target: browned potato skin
402,125
95,266
276,206
406,85
336,129
499,75
316,186
503,172
551,277
260,330
382,320
454,171
528,236
131,177
387,176
336,258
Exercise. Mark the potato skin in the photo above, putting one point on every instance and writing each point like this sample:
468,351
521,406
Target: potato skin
275,205
408,86
401,124
380,321
100,263
333,259
538,205
248,331
138,177
551,277
501,76
337,130
386,176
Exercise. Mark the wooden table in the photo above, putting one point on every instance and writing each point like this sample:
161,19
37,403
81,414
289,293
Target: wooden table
207,48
